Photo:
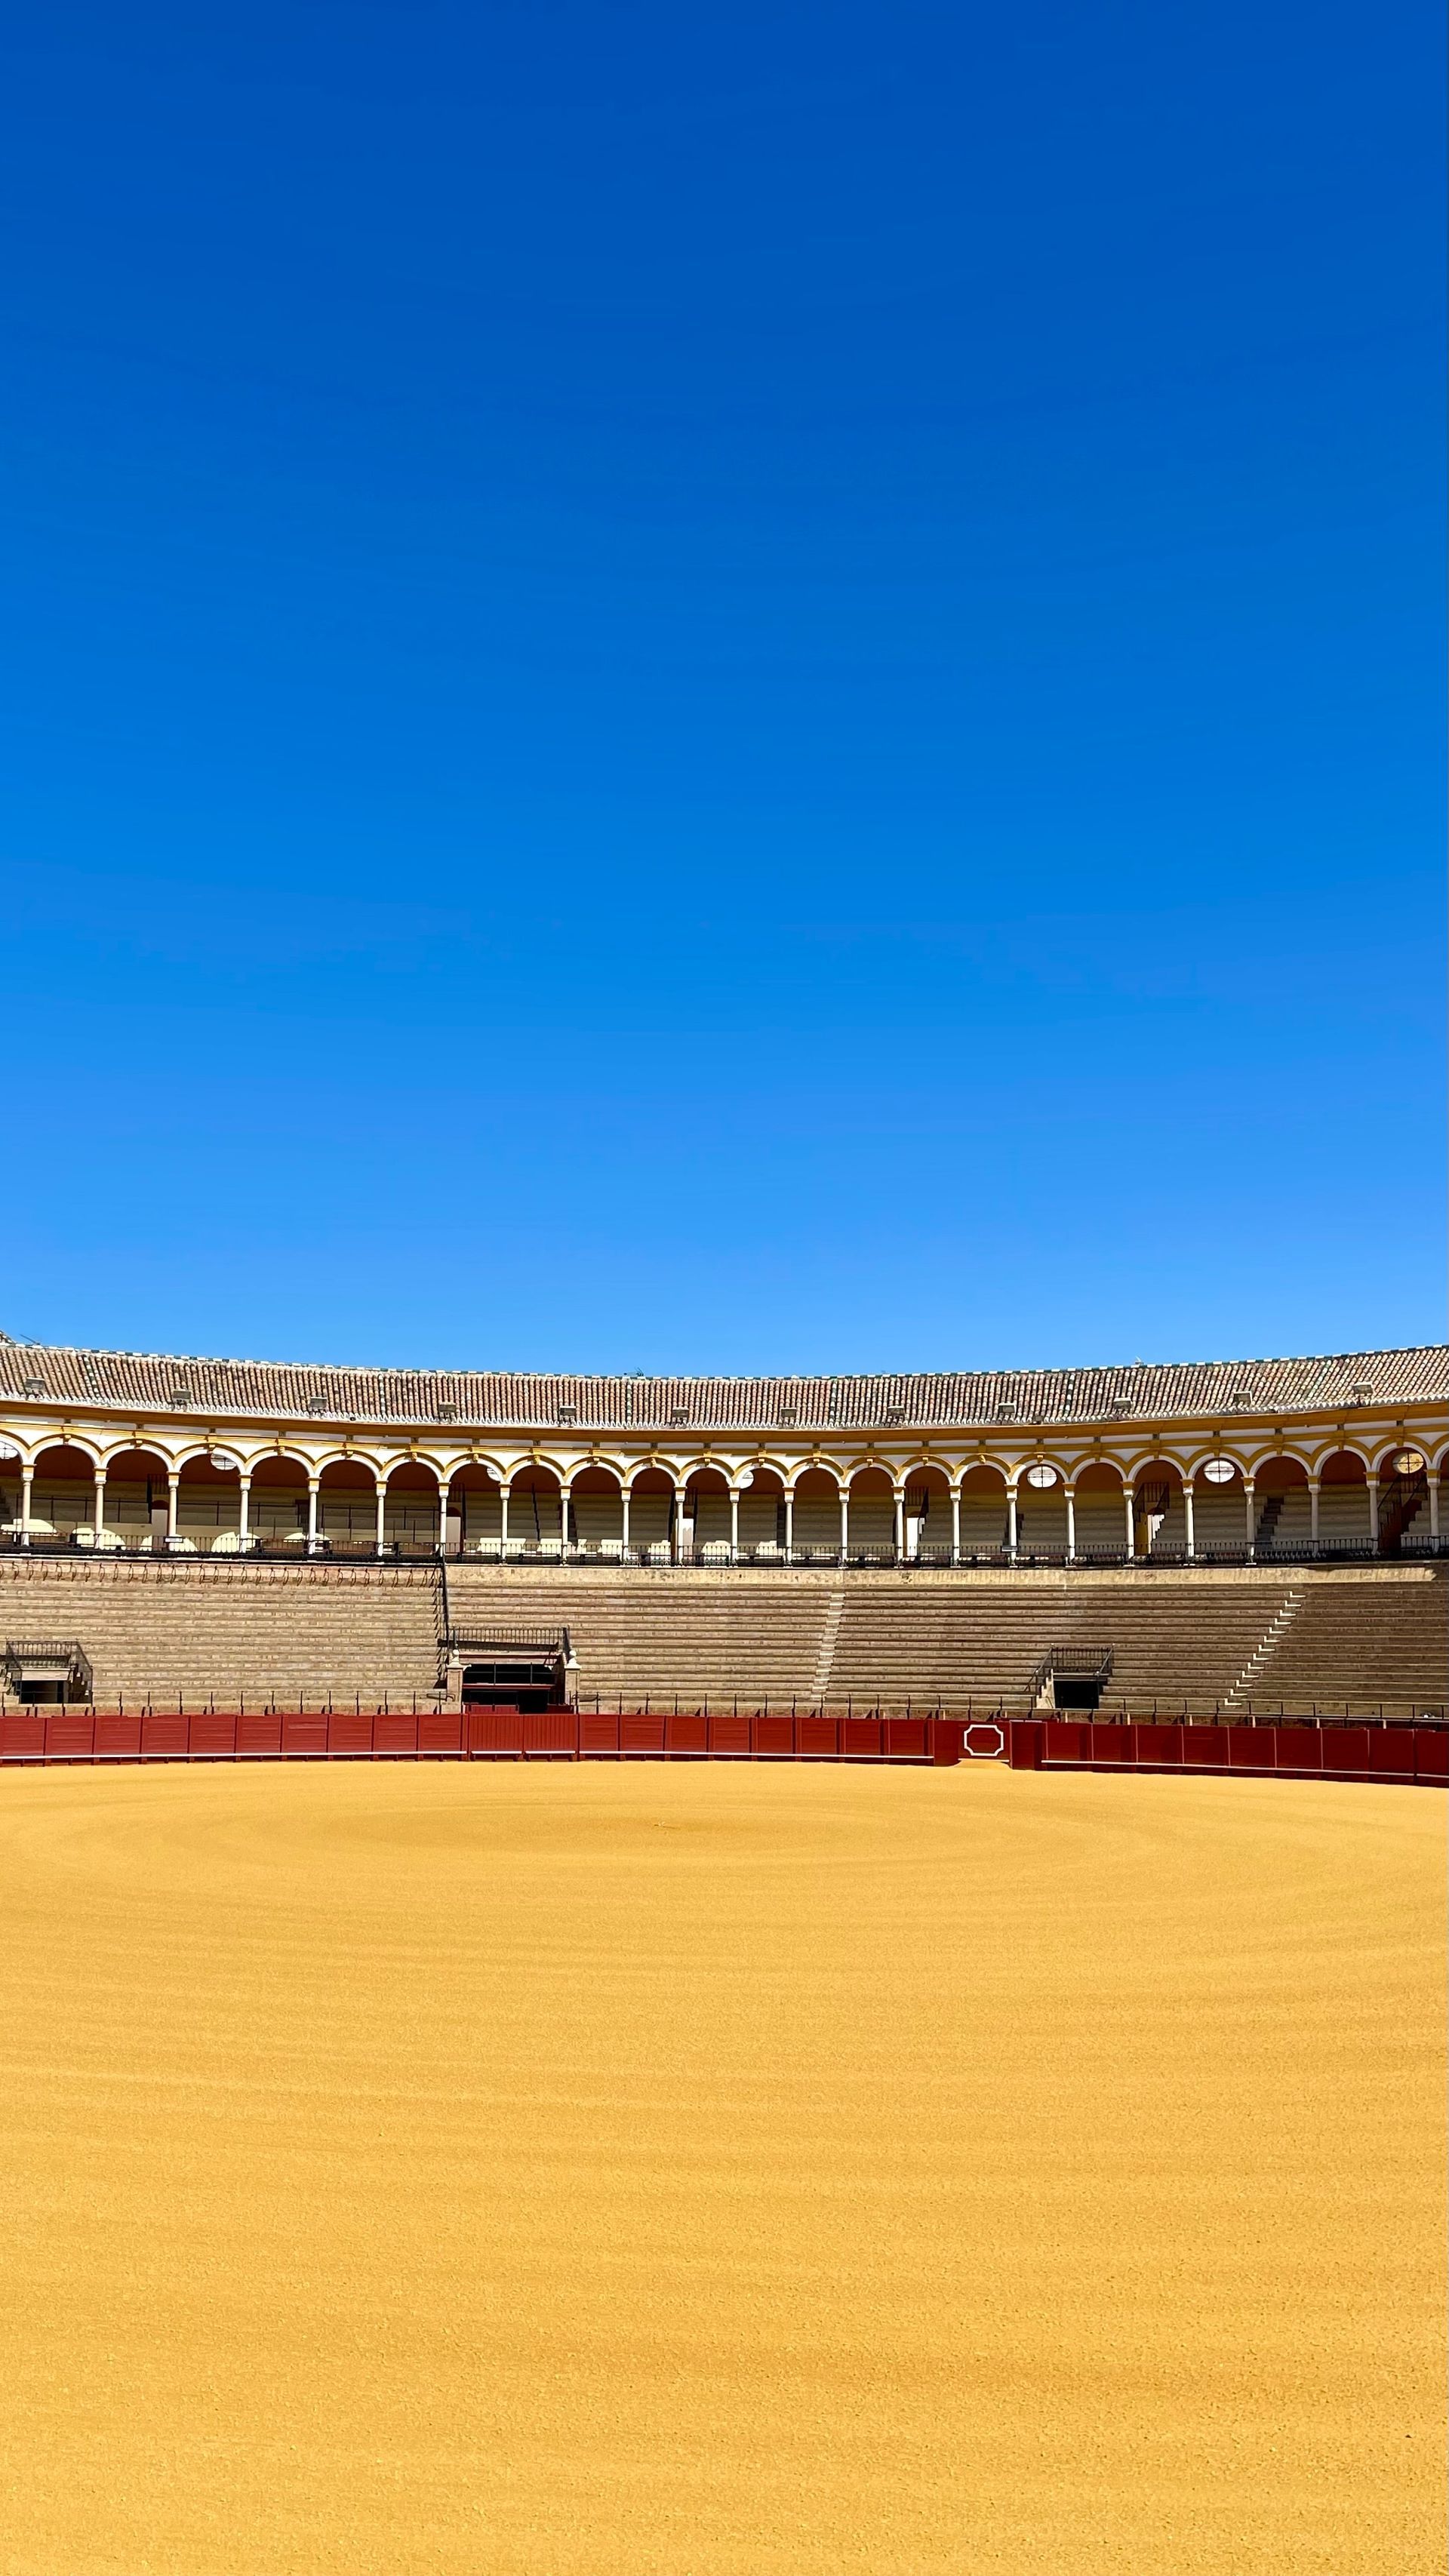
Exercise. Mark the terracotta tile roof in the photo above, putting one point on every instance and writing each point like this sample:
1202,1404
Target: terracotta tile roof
140,1383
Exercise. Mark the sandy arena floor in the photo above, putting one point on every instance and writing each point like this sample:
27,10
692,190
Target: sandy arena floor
713,2171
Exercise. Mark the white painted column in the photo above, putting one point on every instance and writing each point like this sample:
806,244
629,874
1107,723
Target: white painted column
100,1500
1070,1493
955,1525
734,1527
1433,1505
1372,1484
1250,1513
565,1497
1315,1487
173,1490
624,1507
445,1487
243,1518
504,1490
1011,1522
789,1525
844,1522
381,1517
900,1525
1129,1501
313,1488
27,1486
680,1494
1188,1514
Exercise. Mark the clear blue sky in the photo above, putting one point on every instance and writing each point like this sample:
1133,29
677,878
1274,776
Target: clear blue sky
723,687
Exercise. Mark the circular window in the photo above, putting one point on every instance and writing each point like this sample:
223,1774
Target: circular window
1041,1477
1409,1462
224,1461
1220,1471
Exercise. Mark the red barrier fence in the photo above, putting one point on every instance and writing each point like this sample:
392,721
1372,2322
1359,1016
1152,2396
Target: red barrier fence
1289,1751
86,1735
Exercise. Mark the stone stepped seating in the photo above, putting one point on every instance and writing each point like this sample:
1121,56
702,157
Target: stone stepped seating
1376,1638
969,1639
228,1632
654,1636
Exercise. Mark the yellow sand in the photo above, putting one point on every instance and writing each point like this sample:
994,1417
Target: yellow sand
697,2169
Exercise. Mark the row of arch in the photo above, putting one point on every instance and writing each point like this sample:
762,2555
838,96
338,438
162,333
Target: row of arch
760,1505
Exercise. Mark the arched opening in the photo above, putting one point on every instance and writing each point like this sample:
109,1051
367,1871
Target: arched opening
815,1517
475,1501
1041,1515
208,1508
651,1515
135,1516
871,1538
1403,1497
535,1514
927,1517
347,1508
1283,1520
762,1517
277,1512
410,1510
63,1495
1159,1516
598,1513
983,1515
706,1517
1220,1526
1345,1519
1101,1514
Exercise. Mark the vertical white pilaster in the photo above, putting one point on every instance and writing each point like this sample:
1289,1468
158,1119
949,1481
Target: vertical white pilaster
1011,1521
955,1525
313,1488
1189,1515
1071,1500
244,1516
734,1527
624,1515
1250,1515
27,1486
100,1519
1315,1488
173,1490
789,1526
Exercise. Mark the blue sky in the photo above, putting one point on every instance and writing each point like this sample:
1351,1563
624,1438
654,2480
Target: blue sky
723,688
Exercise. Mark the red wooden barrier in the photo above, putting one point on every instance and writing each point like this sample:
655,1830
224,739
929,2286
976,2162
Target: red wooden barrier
440,1730
70,1735
1158,1745
729,1734
1205,1747
164,1736
118,1737
258,1735
820,1738
598,1732
211,1738
349,1732
1431,1753
774,1737
859,1737
687,1732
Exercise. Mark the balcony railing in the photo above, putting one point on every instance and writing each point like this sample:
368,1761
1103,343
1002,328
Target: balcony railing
712,1555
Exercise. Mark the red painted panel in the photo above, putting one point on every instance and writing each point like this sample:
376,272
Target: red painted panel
774,1736
598,1732
1300,1748
1252,1748
118,1737
347,1732
1024,1743
22,1735
212,1736
303,1734
549,1730
820,1736
1346,1748
1431,1752
493,1730
947,1739
729,1734
640,1734
258,1734
398,1733
1391,1751
905,1737
70,1735
440,1730
858,1736
1205,1745
1159,1743
687,1734
163,1735
1112,1743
